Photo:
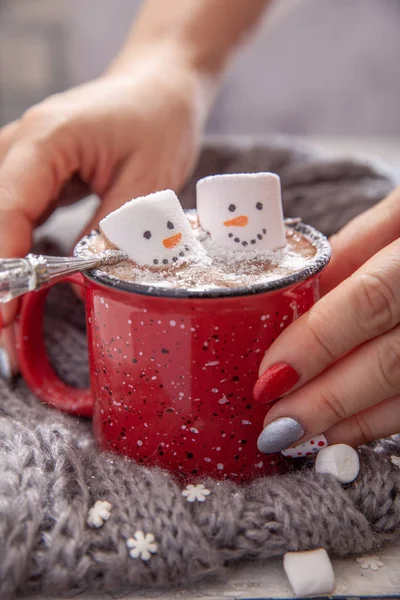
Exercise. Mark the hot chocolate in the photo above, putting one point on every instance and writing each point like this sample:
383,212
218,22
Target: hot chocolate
218,267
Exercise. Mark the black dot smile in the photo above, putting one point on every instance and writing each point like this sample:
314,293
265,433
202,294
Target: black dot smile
253,241
174,259
259,236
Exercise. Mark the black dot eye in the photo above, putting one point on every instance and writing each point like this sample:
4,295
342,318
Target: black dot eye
259,206
232,207
147,235
170,225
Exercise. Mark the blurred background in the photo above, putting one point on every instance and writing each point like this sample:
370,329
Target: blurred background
314,67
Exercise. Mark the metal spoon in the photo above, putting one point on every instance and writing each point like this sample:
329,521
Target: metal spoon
21,275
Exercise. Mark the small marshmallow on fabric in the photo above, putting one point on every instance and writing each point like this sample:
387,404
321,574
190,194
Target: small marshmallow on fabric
243,211
339,460
309,573
152,230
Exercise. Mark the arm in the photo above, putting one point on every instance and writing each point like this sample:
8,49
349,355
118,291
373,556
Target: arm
201,34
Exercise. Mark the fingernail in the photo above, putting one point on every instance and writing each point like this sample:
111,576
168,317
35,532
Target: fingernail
279,434
274,382
5,365
311,446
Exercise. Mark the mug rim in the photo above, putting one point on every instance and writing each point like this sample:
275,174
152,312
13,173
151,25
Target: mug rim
319,262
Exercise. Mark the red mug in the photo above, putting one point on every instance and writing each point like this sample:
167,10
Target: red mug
172,371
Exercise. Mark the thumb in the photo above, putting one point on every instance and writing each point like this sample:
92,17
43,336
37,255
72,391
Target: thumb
31,176
30,179
136,178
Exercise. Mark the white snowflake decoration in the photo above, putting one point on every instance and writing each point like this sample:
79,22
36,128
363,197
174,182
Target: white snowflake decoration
370,561
395,460
196,492
142,545
99,513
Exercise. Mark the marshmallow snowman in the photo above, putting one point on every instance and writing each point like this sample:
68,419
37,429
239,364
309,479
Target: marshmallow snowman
152,230
243,211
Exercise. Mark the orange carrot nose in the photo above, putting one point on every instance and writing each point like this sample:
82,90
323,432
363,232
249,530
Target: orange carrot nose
241,221
172,241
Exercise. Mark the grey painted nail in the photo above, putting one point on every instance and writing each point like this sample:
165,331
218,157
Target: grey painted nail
5,365
279,434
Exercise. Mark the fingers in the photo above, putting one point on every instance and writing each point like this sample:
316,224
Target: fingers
372,424
34,168
356,398
8,312
8,358
8,353
16,224
361,238
31,175
142,174
7,136
369,425
361,308
360,380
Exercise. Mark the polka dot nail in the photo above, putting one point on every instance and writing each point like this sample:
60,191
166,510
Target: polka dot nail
308,448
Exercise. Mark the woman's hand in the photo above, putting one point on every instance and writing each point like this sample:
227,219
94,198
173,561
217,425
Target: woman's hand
338,366
123,135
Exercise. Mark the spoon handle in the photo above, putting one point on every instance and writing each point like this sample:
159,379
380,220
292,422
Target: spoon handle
21,275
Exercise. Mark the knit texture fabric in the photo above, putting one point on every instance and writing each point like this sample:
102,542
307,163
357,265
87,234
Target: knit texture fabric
51,474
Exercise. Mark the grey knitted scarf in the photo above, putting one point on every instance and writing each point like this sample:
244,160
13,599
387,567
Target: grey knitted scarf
51,474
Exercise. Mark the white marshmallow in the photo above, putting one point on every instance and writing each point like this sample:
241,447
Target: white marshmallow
243,211
339,460
310,572
152,230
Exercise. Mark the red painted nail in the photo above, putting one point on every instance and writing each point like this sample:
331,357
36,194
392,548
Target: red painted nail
276,381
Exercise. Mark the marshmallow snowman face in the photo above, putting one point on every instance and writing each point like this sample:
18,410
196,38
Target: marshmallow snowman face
243,211
152,230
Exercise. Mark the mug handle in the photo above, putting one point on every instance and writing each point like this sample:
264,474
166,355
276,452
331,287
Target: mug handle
34,363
